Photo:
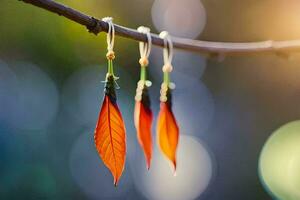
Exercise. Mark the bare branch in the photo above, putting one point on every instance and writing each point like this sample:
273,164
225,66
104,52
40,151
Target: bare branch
96,26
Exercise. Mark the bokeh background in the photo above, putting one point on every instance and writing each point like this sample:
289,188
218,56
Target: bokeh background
50,92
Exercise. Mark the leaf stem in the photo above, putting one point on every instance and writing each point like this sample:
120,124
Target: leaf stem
166,78
110,69
143,75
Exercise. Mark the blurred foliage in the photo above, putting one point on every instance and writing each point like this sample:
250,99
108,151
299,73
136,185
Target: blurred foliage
59,45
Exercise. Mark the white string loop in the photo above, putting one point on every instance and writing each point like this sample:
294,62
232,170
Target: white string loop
145,47
110,38
167,52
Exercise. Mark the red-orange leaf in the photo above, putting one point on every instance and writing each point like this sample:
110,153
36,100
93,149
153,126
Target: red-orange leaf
143,122
110,136
168,131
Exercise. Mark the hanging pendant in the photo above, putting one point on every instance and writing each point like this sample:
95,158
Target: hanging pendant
143,120
167,128
143,116
110,134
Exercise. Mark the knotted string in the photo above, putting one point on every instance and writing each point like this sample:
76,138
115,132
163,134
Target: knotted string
110,38
167,51
145,47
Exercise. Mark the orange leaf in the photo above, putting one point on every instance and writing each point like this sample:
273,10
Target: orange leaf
110,134
143,122
168,131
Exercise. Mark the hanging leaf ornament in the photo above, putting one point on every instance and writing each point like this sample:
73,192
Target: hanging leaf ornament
142,112
110,134
143,120
167,128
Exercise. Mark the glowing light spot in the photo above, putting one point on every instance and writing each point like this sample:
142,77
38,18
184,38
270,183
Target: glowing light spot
36,99
194,172
180,18
280,162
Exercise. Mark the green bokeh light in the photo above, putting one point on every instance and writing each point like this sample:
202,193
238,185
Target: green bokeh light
280,162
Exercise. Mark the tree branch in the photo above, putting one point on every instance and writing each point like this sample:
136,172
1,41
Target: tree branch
96,26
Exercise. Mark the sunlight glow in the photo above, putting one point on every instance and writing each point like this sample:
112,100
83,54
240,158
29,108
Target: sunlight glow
194,173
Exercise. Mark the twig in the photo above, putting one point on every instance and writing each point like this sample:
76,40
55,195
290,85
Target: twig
96,26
